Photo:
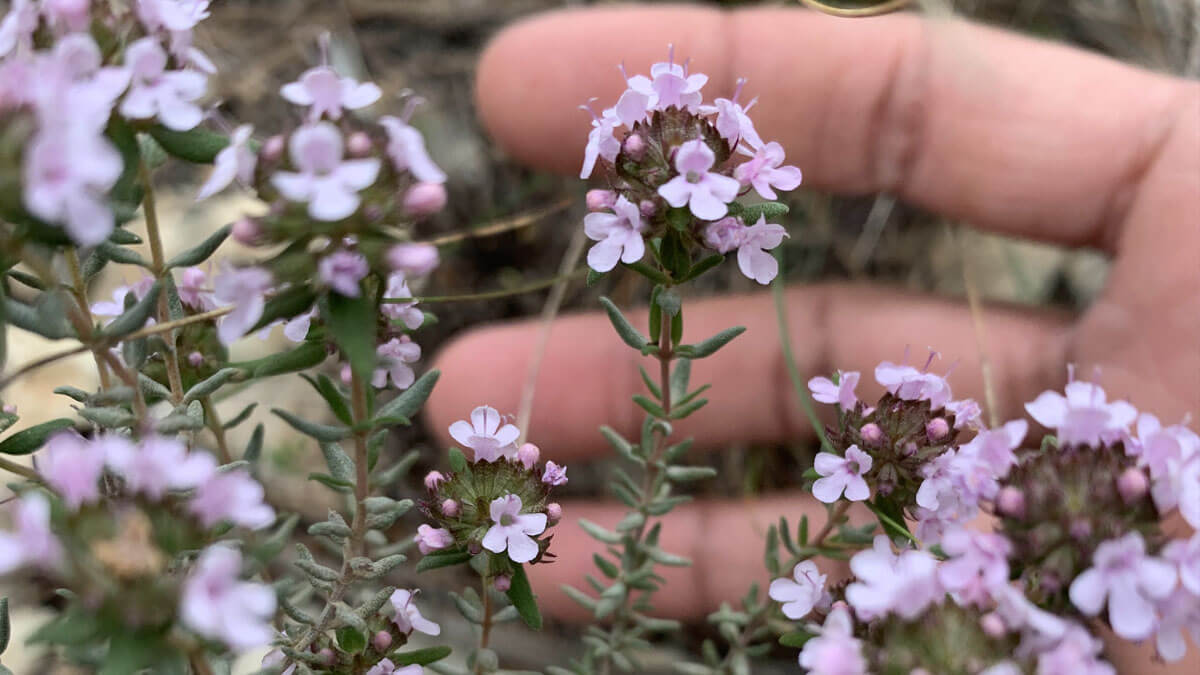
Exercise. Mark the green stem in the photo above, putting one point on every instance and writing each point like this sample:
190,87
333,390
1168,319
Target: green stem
485,628
153,234
20,470
785,339
218,431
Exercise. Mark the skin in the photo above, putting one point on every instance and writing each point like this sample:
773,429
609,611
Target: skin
1008,134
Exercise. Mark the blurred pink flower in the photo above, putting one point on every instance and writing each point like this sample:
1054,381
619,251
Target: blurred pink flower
328,184
217,605
328,94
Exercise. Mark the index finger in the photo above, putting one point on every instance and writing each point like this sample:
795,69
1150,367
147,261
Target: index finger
1012,134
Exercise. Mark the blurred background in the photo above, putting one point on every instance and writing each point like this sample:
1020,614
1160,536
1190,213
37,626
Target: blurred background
432,47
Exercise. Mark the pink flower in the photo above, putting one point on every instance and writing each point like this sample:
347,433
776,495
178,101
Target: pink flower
799,596
386,667
1185,555
1078,652
328,184
406,312
431,539
967,413
232,496
977,564
512,529
601,142
1130,580
328,94
763,171
246,288
425,199
408,618
1178,613
71,15
994,448
905,585
619,234
1158,447
554,474
33,542
66,179
671,85
824,390
732,121
1083,416
395,355
842,474
193,289
725,235
18,27
1179,486
406,148
157,92
342,270
296,328
116,307
171,15
234,161
158,465
909,384
705,193
217,605
753,259
72,466
835,650
414,260
485,436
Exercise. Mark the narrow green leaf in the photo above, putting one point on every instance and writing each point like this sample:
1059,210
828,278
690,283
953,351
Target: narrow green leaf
198,146
120,254
712,344
340,465
27,440
351,323
649,272
682,411
703,266
332,483
286,304
458,461
440,559
599,533
684,474
421,657
772,210
334,398
302,357
410,400
5,625
202,251
649,406
520,594
594,277
254,447
135,317
241,416
625,330
321,432
606,566
208,386
795,639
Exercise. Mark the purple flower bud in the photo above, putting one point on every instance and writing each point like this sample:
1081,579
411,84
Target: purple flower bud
503,583
327,656
647,208
554,474
474,548
196,359
937,429
424,199
598,200
247,232
450,508
1132,485
359,144
871,433
415,260
433,479
272,149
1010,501
993,625
381,641
528,455
10,409
910,449
553,512
635,147
1081,529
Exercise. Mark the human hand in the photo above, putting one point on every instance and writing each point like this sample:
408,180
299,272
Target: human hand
1008,134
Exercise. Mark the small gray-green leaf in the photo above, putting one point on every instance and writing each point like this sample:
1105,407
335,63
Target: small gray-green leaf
712,344
630,335
321,432
135,317
202,251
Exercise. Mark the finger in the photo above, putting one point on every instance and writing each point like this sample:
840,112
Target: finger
588,375
1012,134
725,541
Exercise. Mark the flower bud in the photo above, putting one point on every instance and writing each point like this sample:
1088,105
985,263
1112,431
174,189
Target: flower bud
10,409
359,144
647,208
553,512
1132,485
450,508
1081,529
598,200
246,231
1010,501
910,449
327,656
937,429
635,147
415,260
528,455
503,583
196,359
474,548
433,479
871,433
272,149
424,199
993,625
381,641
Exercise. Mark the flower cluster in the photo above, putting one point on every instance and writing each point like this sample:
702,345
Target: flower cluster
672,179
499,502
1079,533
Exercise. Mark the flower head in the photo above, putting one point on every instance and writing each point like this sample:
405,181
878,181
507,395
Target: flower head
905,585
154,91
799,596
554,474
327,94
1130,580
235,497
408,618
395,355
978,563
835,650
619,234
842,474
329,184
512,530
1083,416
486,436
704,192
72,466
217,605
157,465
